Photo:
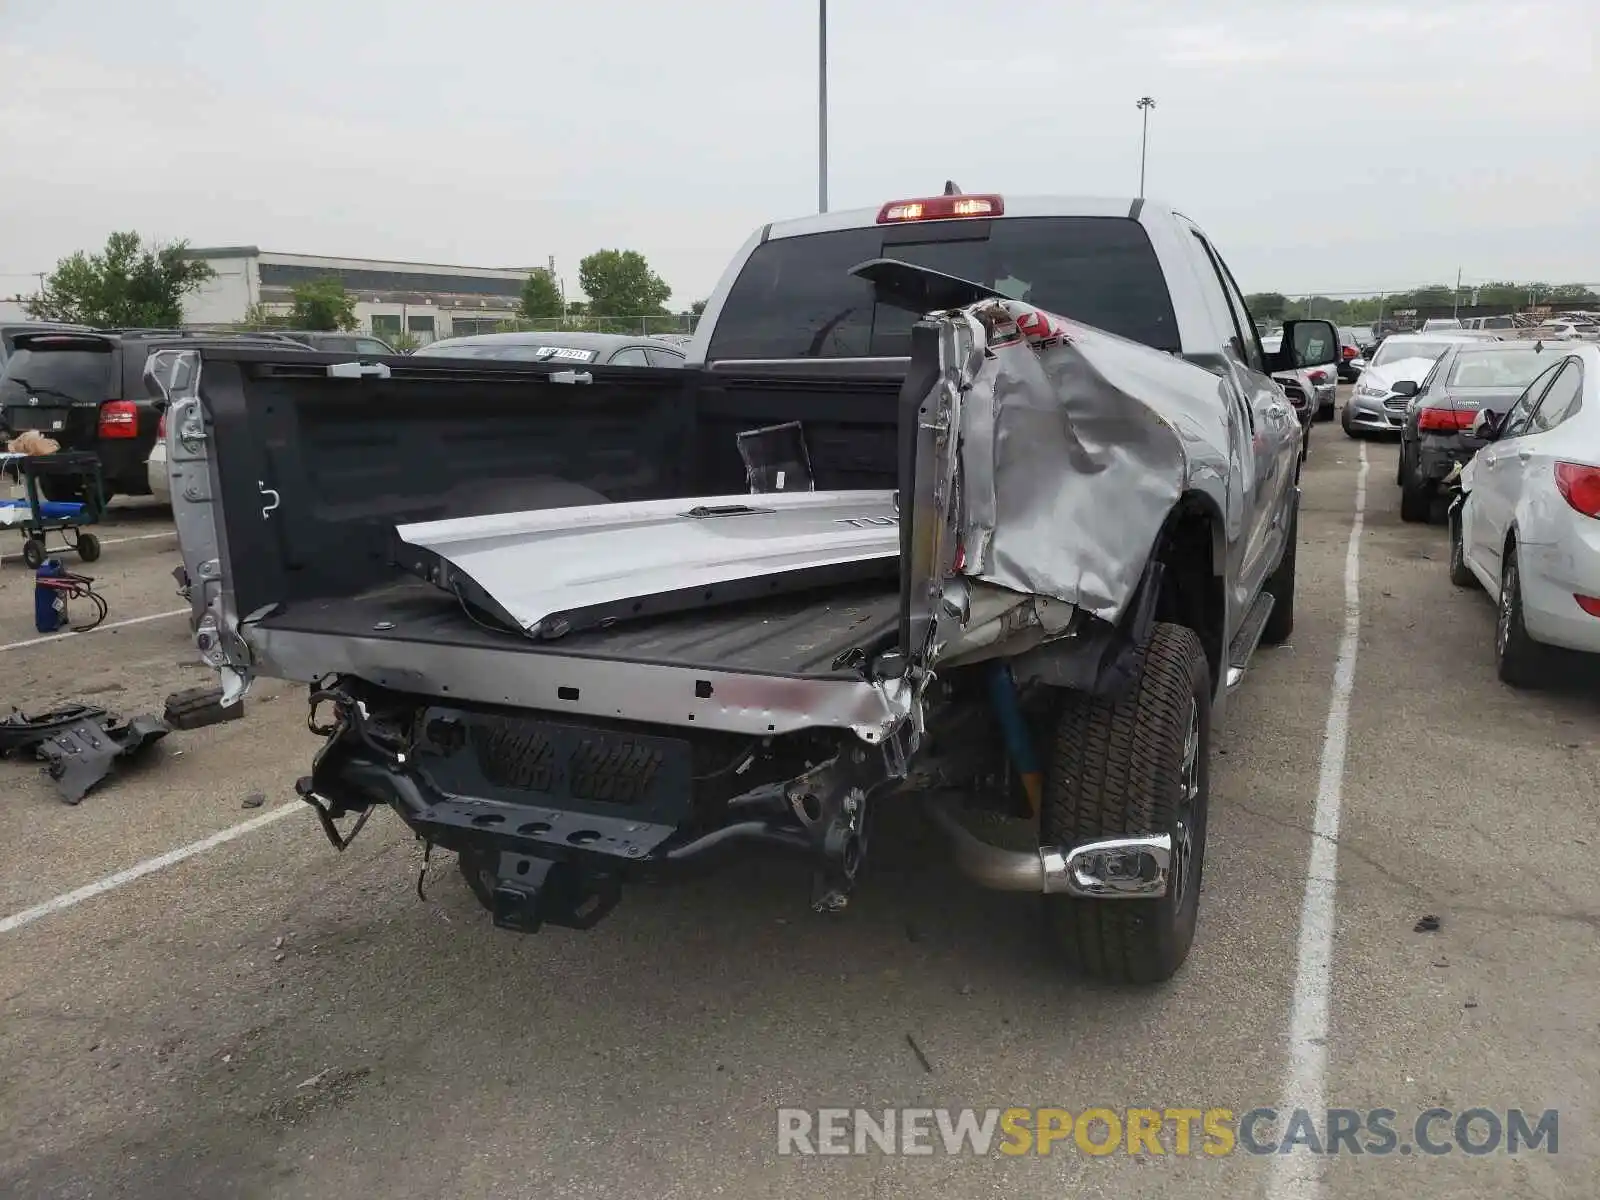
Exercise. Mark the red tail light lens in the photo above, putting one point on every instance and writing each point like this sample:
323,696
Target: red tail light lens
1349,353
1445,420
119,419
161,428
940,208
1319,376
1580,487
1589,604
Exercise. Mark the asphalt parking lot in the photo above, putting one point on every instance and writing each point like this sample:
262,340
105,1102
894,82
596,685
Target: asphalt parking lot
268,1018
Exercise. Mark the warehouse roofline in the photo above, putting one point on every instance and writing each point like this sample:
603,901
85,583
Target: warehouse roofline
350,262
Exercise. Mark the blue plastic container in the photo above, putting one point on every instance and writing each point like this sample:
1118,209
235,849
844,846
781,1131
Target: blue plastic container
49,604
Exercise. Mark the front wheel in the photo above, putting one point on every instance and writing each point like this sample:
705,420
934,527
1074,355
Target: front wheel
1135,764
1460,574
1280,621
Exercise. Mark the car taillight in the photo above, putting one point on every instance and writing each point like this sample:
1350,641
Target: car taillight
1589,604
119,419
1445,420
1349,353
940,208
161,428
1580,487
1319,377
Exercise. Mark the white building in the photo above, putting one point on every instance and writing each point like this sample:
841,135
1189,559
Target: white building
426,300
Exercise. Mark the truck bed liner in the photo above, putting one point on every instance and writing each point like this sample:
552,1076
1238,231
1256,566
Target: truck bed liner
800,635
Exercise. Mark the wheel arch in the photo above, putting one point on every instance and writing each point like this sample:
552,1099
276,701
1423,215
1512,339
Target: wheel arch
1192,549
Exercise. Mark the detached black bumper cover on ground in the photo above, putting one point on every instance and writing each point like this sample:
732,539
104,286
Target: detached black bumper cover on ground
79,743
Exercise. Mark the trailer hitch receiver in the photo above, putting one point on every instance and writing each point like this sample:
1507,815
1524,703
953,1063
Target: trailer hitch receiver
524,892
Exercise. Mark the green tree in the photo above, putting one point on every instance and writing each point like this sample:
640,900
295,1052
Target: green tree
127,284
259,316
620,283
697,309
1267,306
322,304
541,295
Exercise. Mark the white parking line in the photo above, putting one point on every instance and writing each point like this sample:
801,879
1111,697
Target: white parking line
132,537
1295,1177
57,637
150,865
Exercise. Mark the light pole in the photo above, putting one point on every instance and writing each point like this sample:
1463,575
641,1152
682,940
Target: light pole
822,105
1146,103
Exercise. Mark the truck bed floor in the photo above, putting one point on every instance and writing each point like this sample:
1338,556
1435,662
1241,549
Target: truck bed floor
798,635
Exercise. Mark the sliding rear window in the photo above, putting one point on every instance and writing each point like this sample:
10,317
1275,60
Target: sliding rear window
795,297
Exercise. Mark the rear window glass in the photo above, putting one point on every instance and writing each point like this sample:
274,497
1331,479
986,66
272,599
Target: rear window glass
75,373
795,297
1504,369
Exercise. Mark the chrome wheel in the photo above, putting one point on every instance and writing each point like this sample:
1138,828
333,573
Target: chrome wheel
1188,800
1508,587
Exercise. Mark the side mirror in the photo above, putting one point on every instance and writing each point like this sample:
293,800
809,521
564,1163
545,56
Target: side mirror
1311,343
1405,387
1486,425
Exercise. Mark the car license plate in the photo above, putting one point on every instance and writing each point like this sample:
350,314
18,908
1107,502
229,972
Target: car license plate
50,419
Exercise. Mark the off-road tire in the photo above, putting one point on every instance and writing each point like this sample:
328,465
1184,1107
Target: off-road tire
1116,769
1519,660
1280,622
1460,574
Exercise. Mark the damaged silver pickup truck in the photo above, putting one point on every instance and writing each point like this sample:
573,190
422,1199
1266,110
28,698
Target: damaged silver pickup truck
975,503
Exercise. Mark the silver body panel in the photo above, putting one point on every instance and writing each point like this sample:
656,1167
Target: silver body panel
546,568
738,702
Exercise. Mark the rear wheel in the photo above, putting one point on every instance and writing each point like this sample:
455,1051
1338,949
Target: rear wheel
88,547
1130,765
1416,504
1519,660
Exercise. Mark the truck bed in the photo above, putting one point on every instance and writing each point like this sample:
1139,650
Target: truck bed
801,635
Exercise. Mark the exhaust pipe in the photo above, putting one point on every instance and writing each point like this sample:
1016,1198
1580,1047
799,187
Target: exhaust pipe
1129,868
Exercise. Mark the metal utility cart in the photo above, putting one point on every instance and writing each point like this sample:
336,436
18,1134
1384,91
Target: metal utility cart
72,472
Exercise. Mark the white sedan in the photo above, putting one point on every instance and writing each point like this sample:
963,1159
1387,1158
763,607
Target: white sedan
156,466
1528,528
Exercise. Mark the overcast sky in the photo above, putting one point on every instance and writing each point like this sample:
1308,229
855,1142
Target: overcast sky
1331,147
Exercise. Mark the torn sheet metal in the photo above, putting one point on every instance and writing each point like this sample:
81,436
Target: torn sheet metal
1071,448
557,570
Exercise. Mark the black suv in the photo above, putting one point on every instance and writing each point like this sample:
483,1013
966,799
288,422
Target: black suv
86,390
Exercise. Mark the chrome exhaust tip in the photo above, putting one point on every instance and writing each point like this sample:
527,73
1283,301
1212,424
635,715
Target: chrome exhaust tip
1128,868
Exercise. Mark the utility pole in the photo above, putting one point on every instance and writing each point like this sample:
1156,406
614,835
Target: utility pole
1455,297
1146,103
822,105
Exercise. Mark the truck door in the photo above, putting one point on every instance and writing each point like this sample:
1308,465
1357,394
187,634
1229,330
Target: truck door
1269,427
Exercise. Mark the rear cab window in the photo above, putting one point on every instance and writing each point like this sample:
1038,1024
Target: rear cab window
58,371
795,298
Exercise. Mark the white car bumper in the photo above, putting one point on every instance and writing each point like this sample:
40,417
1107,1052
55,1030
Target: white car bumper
1553,575
160,487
